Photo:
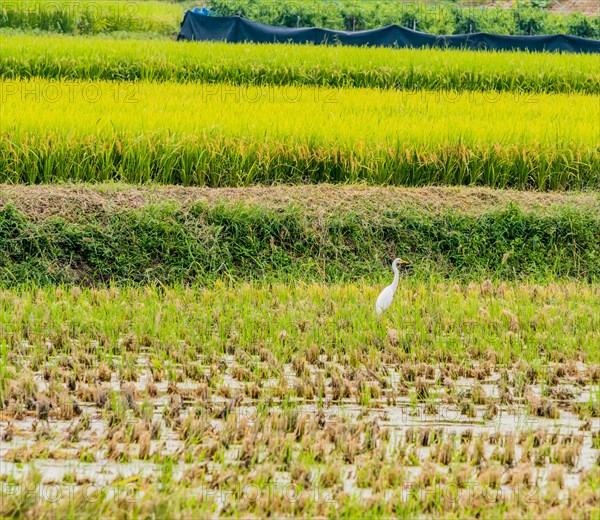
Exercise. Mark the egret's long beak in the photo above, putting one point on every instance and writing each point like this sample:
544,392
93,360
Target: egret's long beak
404,261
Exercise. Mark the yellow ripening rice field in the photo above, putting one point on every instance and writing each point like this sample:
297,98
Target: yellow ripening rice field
300,114
180,132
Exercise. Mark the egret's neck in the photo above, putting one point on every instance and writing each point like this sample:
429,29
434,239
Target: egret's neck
396,277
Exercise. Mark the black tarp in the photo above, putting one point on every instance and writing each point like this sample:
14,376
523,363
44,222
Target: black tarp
235,29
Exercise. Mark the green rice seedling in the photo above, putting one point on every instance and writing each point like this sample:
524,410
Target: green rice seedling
352,303
61,57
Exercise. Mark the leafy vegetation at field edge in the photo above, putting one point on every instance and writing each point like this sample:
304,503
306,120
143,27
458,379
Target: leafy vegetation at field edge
165,243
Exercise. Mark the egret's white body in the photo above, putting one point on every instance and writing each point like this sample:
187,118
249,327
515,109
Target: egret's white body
384,300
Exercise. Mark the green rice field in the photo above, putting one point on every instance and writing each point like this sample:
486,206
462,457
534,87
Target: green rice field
193,237
63,57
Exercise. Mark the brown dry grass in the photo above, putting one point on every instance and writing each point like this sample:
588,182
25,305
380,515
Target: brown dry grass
70,201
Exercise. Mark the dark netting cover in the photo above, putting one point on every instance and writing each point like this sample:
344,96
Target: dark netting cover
235,29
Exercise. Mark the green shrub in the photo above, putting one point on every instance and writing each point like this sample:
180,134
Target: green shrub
437,18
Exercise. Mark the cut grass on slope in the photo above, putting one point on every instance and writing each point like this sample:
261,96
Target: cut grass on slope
324,200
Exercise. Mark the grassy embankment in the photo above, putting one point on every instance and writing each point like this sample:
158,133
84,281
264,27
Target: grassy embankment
99,235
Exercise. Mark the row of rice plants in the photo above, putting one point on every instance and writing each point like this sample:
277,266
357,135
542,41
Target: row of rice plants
222,135
57,56
435,321
217,161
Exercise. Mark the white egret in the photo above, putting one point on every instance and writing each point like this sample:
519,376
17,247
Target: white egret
384,300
